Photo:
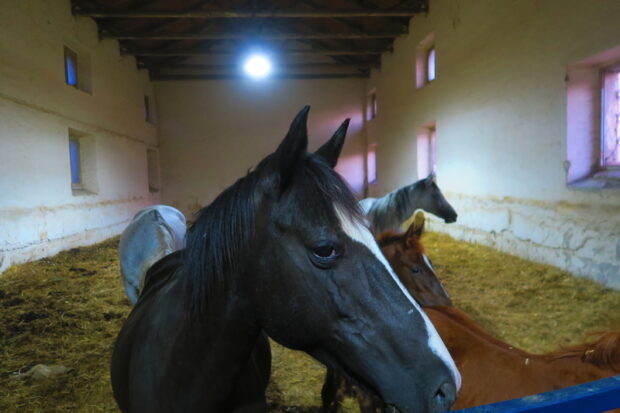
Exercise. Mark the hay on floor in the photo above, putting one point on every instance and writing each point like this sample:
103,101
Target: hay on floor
69,308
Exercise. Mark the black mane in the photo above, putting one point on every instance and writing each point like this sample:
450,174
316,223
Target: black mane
223,232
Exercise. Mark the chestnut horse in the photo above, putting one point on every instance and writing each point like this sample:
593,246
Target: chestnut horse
494,370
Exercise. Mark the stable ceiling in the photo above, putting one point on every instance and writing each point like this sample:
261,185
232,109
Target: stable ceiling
190,39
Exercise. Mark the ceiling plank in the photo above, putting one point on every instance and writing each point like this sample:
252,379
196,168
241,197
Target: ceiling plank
235,14
162,77
245,36
323,66
317,52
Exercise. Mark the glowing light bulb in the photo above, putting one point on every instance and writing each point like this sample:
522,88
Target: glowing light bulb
257,66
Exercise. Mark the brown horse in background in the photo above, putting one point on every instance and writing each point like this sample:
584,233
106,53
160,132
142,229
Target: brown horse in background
494,370
406,255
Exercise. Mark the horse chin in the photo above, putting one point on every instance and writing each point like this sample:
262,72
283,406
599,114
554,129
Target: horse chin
390,408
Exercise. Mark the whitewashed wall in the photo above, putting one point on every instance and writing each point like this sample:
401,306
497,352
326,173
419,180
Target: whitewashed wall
500,104
39,215
213,132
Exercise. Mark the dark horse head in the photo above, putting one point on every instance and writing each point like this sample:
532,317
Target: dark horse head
276,252
433,200
406,255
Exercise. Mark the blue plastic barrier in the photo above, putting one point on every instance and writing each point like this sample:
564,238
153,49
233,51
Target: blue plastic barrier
592,397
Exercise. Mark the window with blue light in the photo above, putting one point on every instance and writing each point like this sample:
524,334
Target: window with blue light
74,158
71,67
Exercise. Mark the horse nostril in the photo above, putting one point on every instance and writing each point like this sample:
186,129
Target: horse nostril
451,219
444,396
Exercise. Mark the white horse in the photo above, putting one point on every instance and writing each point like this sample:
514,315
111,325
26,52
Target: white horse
152,234
390,211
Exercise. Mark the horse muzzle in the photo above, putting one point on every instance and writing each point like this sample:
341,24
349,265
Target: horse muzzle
441,401
450,219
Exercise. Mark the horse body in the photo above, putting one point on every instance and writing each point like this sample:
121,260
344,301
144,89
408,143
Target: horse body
234,365
494,370
390,211
259,260
153,233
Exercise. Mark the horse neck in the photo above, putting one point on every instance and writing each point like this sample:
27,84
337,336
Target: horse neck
408,199
466,322
223,340
390,211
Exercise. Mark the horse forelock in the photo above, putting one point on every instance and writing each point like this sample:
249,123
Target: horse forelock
319,186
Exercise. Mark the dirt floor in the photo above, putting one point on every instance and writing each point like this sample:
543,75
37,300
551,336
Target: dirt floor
68,309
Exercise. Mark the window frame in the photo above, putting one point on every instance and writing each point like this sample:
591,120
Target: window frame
614,68
78,163
372,105
71,55
432,51
426,149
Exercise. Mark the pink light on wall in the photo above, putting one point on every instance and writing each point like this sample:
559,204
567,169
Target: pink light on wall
426,149
371,163
352,170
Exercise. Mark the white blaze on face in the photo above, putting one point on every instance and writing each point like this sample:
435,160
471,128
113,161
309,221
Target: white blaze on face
361,234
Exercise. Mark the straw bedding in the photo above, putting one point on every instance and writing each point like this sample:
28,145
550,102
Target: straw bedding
68,309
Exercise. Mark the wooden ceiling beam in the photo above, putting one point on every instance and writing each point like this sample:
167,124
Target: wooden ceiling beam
244,36
317,52
237,14
285,66
162,77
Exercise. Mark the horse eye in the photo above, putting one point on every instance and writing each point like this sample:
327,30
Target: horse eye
416,270
325,251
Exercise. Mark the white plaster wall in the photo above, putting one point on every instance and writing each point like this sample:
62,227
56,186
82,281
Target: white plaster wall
39,215
212,132
499,103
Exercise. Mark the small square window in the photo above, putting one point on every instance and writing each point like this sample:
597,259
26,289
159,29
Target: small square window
426,148
149,112
425,61
430,65
74,159
152,164
77,69
71,67
610,114
83,163
593,121
371,109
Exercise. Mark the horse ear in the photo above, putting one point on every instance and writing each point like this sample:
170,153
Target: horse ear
293,148
330,151
416,229
430,178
